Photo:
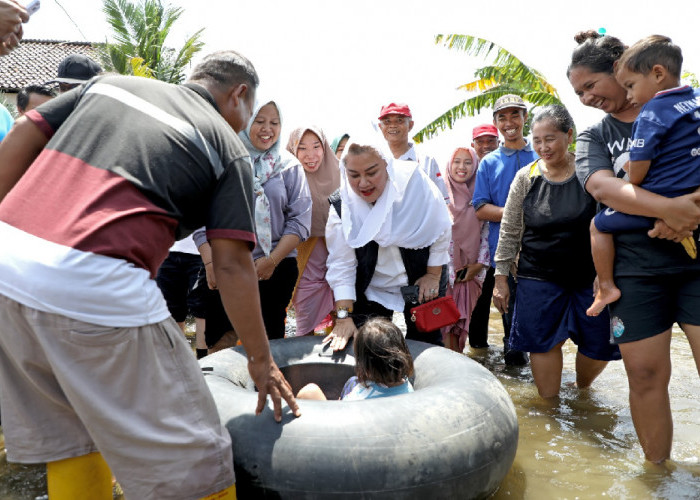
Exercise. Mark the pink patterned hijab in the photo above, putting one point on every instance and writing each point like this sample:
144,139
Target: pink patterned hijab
466,228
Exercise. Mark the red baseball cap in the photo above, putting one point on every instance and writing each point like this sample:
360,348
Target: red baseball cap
395,109
485,129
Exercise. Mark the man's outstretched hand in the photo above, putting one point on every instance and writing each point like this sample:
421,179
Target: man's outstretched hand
270,381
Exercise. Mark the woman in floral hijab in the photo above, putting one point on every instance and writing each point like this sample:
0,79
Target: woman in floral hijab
282,221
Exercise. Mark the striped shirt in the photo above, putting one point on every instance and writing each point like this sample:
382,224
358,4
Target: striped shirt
131,165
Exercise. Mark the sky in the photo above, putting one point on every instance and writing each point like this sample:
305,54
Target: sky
334,64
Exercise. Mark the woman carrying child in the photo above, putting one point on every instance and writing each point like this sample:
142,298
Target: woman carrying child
659,284
664,136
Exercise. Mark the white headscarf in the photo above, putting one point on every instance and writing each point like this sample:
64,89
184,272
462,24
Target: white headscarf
410,212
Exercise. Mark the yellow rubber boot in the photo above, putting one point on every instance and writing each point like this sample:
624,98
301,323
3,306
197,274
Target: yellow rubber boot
81,478
227,494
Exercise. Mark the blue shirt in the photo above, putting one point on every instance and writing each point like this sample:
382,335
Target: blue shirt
6,122
354,391
666,132
493,178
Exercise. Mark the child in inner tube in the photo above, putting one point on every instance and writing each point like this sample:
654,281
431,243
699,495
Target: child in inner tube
383,364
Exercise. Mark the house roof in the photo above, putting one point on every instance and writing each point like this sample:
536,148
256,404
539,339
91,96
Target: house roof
36,61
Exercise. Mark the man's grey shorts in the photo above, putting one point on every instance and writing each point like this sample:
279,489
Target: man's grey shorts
137,395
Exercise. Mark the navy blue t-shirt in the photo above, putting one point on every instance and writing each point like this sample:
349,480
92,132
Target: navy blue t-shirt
667,133
605,146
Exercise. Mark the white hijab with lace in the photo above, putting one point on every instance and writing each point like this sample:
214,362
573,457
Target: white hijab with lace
409,213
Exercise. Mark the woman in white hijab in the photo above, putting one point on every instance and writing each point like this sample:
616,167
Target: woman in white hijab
388,227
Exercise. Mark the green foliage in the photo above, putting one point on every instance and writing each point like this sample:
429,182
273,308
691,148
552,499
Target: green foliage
139,68
140,31
9,105
505,75
691,79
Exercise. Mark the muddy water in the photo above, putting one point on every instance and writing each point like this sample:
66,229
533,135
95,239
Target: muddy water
582,445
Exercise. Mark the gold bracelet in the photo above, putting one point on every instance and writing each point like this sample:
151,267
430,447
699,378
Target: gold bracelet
207,263
273,260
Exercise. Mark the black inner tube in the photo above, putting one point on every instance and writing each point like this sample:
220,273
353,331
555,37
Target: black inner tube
454,437
330,378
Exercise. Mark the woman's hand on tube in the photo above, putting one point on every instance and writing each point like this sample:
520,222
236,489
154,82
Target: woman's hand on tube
264,267
343,331
501,293
428,287
269,380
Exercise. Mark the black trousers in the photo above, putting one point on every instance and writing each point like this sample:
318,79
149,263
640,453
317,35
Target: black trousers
479,322
179,279
275,294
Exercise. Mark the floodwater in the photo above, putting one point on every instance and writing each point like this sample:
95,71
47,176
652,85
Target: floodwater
581,446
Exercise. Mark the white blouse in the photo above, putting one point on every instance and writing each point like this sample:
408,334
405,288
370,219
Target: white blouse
389,273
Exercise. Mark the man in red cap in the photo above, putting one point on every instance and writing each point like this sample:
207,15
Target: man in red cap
484,139
395,122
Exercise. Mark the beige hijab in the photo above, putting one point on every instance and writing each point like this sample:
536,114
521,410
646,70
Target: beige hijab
466,228
323,182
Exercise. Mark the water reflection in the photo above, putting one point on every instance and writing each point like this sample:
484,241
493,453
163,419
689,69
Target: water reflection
580,445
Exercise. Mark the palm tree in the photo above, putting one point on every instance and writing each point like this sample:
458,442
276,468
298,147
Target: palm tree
506,75
140,31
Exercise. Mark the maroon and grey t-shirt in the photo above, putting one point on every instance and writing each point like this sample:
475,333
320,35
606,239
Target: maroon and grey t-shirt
131,165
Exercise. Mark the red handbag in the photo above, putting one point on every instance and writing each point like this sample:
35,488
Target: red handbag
435,314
